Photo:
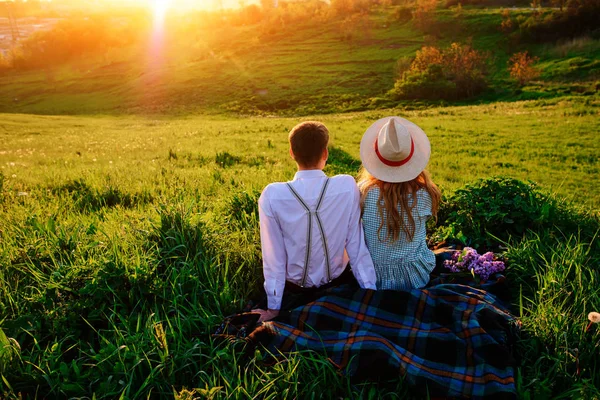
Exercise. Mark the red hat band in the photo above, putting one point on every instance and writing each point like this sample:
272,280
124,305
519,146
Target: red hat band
400,163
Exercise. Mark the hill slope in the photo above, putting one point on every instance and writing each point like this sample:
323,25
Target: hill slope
304,68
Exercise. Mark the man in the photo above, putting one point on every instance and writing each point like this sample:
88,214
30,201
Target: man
310,227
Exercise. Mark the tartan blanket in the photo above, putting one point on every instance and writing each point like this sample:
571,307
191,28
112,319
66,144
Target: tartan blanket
445,340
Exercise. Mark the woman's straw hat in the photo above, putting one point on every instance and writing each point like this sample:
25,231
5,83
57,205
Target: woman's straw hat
394,149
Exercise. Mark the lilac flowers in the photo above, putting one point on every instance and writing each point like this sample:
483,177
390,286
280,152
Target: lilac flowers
468,260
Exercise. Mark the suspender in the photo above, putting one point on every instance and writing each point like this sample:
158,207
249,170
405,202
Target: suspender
310,214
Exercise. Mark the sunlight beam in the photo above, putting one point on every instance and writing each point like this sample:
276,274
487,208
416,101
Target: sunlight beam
160,8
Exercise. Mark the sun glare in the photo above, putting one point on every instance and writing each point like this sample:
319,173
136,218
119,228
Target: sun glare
160,8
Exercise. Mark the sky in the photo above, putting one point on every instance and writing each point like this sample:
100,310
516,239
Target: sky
176,4
162,4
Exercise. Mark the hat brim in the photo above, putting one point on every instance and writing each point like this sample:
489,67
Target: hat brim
404,173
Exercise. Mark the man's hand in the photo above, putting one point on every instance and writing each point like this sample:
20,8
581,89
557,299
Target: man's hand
266,315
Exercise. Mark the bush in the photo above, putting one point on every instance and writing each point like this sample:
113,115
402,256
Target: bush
455,73
501,208
249,15
488,3
401,15
521,67
579,18
348,7
72,38
507,25
355,26
424,12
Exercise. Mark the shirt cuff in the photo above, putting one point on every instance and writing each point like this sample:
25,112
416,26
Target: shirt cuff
274,292
366,279
370,285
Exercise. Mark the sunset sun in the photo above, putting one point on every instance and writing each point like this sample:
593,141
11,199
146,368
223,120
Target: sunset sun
160,8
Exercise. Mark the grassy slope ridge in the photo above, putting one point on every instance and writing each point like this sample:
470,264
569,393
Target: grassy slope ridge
300,69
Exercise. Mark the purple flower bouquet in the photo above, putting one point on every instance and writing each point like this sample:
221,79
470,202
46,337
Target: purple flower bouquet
480,266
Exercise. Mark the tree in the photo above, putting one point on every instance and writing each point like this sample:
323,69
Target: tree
559,3
453,73
521,67
507,25
424,12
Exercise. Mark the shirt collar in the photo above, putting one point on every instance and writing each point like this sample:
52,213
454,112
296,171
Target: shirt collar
309,174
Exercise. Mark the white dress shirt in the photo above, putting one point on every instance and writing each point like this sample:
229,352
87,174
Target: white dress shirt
283,234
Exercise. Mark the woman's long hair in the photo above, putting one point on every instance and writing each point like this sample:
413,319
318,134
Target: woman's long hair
392,195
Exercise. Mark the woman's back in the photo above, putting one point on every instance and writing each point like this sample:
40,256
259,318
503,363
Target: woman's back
405,263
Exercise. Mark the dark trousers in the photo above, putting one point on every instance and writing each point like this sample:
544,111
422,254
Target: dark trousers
296,296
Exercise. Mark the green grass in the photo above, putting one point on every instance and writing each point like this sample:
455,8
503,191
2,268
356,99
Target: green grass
551,142
124,241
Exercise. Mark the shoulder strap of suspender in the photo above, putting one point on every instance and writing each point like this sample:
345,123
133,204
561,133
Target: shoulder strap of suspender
309,229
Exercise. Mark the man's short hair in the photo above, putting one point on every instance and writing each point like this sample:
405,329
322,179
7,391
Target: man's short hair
308,141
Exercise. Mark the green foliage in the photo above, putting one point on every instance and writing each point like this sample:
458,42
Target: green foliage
579,18
89,199
454,73
488,3
348,7
242,209
555,281
501,209
176,238
70,39
224,159
9,352
401,15
429,84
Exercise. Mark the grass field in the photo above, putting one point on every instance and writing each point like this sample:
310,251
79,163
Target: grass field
128,188
552,142
126,239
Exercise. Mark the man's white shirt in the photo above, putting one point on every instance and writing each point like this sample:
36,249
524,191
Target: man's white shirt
283,233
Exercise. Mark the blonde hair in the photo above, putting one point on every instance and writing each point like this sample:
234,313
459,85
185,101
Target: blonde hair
391,195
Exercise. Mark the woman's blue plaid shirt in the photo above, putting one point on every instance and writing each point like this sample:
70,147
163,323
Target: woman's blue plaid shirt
405,264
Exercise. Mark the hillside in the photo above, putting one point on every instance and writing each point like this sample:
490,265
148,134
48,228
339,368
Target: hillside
304,68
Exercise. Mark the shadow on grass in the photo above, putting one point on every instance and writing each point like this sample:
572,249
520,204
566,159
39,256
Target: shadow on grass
341,162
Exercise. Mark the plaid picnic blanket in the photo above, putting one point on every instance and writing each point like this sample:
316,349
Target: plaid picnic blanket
447,339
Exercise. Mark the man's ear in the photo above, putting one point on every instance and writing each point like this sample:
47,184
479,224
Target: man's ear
292,154
326,154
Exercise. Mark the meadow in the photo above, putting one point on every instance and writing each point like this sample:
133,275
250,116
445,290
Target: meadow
128,189
127,239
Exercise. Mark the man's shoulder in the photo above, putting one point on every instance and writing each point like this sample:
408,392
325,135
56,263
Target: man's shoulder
272,188
344,181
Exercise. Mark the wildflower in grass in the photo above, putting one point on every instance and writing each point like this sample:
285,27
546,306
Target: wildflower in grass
468,260
594,318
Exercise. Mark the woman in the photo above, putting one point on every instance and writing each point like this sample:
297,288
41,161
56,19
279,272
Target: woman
398,197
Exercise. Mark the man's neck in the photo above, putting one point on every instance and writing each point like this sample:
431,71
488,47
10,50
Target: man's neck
309,168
